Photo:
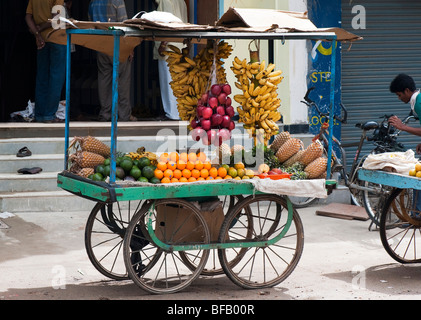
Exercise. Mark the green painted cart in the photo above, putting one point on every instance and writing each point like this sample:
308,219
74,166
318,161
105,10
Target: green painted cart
164,236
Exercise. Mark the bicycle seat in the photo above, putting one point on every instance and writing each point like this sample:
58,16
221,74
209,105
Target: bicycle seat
370,125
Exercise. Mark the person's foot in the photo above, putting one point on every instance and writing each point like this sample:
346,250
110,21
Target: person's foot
133,118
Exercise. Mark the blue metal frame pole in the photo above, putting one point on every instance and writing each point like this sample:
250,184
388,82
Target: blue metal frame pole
114,113
68,77
332,109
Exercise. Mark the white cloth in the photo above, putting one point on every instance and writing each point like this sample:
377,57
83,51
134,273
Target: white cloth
400,162
414,100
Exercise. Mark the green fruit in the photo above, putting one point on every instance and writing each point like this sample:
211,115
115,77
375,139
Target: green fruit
148,172
144,162
136,163
107,171
143,179
97,177
119,172
154,180
135,172
99,169
91,177
107,162
126,164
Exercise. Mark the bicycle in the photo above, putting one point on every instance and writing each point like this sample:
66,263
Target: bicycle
384,138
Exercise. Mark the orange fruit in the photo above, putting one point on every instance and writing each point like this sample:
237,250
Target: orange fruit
200,179
210,178
174,156
186,173
195,173
222,172
174,180
213,172
184,156
165,180
163,157
183,179
171,165
218,178
177,174
201,156
159,174
161,165
181,164
169,173
207,165
190,165
192,157
192,179
204,173
198,165
228,177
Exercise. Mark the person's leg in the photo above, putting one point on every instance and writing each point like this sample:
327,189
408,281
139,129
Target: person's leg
41,87
169,101
57,77
124,86
105,80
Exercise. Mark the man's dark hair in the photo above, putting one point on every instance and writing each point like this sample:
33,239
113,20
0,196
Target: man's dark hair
402,82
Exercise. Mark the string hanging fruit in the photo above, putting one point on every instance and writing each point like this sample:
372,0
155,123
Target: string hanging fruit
259,101
190,77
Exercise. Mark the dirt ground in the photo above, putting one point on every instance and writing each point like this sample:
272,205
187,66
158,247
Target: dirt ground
42,257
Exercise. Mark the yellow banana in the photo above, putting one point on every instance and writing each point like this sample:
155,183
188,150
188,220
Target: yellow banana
275,73
174,48
270,68
190,61
262,65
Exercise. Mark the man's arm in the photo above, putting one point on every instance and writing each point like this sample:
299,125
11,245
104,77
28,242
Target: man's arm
35,30
397,123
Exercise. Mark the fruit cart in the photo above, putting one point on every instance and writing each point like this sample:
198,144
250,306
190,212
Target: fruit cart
400,220
164,236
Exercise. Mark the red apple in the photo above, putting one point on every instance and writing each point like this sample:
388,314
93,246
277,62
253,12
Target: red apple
211,136
220,110
231,126
207,112
206,124
198,133
216,120
226,88
205,140
205,98
216,89
228,102
194,123
226,121
199,110
224,134
230,111
222,98
213,102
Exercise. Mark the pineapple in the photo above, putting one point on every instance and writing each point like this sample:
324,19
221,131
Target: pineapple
236,148
311,153
294,159
224,153
316,168
91,144
85,159
288,149
279,140
86,172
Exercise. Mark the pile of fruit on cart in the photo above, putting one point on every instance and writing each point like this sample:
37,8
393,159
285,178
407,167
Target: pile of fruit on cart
284,158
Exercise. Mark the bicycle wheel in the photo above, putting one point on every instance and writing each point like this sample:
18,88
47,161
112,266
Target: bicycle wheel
104,234
374,202
174,222
400,227
213,267
302,202
269,265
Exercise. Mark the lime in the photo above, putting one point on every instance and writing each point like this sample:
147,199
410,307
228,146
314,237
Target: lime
148,172
143,179
154,180
99,169
136,163
118,160
97,177
91,177
135,172
126,164
144,162
107,162
226,166
107,171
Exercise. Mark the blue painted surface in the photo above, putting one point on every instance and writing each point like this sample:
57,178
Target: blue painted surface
390,179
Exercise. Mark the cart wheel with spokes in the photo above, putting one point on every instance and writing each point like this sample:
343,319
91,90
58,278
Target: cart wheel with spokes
268,265
400,227
166,223
213,267
104,235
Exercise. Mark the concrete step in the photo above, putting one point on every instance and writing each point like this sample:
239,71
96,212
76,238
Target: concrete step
15,182
48,162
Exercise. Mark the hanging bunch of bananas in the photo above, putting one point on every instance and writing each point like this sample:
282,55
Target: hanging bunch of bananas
190,77
259,101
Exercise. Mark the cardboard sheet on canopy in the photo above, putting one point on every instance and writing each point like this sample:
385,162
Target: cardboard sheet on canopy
234,20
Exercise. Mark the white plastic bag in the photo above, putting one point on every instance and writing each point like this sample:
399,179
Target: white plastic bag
399,162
